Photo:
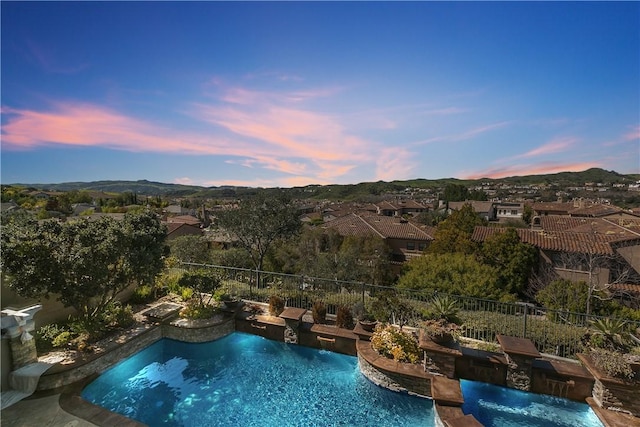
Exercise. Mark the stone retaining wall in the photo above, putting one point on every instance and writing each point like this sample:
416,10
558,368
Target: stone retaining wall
393,375
60,375
195,331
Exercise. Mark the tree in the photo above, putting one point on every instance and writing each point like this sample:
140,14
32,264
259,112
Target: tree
452,273
259,222
512,259
190,248
85,263
454,233
564,295
455,193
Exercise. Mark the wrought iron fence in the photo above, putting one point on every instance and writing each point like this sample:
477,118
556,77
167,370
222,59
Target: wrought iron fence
553,332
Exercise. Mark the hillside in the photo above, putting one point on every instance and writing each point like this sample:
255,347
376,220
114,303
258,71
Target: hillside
349,191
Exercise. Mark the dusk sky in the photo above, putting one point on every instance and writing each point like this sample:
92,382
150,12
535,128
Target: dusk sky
288,94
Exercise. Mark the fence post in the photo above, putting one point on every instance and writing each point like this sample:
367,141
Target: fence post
363,288
524,329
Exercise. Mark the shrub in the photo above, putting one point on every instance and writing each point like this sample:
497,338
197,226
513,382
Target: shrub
116,315
319,312
396,344
142,295
186,294
194,310
45,335
612,363
62,340
276,305
344,318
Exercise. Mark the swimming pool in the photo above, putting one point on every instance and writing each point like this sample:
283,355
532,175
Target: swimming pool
496,406
247,380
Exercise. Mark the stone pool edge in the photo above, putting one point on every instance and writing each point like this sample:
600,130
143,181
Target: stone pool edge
70,380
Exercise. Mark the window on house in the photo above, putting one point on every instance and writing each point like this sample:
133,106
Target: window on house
422,246
514,212
411,246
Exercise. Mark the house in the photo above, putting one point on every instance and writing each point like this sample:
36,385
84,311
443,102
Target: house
176,210
404,238
179,229
598,251
485,210
400,208
506,211
185,219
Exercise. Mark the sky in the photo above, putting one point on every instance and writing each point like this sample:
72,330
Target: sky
285,94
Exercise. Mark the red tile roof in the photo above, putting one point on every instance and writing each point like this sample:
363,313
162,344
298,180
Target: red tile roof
561,241
381,226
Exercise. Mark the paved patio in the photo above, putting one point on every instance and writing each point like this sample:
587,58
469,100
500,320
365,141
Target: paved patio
40,411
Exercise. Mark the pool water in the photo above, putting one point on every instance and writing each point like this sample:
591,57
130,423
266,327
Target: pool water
247,380
496,406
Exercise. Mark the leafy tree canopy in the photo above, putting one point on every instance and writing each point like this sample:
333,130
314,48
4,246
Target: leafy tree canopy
454,233
260,221
512,259
190,248
85,263
452,273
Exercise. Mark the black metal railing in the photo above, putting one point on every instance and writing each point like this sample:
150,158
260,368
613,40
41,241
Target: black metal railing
552,331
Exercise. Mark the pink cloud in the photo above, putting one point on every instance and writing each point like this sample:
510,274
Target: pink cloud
551,147
89,125
463,136
633,134
535,169
394,163
478,131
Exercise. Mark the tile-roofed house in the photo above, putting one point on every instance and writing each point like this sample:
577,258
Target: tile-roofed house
595,210
399,207
552,208
178,229
184,219
404,238
588,249
485,210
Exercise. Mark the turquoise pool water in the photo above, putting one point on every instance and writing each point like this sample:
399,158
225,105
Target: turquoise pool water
246,380
496,406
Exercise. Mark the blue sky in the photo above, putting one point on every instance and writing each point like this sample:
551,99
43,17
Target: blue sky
287,94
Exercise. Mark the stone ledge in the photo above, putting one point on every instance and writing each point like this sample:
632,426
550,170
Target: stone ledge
333,331
446,392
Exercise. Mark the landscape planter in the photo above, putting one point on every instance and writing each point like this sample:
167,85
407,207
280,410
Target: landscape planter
368,325
613,393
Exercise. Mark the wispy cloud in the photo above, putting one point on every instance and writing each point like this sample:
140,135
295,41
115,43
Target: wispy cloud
79,124
470,134
49,61
554,146
633,134
260,130
394,163
529,169
286,136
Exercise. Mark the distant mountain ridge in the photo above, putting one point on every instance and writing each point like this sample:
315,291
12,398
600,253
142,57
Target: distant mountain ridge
151,188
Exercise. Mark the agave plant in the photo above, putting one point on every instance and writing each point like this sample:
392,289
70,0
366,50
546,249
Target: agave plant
444,308
609,333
